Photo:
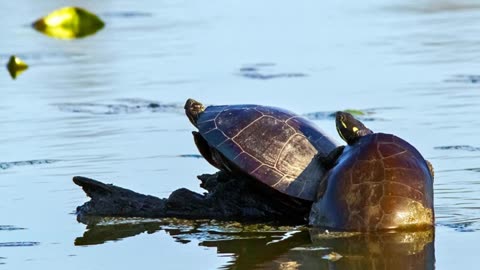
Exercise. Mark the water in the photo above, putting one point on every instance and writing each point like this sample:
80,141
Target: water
84,108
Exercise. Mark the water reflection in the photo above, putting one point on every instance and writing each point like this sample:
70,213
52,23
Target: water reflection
96,235
464,78
270,247
404,250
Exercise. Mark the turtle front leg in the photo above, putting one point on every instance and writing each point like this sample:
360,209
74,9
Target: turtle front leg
205,149
329,161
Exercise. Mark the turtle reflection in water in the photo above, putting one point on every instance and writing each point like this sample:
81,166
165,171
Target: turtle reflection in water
259,246
377,182
270,145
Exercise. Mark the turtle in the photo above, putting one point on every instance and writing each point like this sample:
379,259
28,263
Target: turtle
377,182
273,146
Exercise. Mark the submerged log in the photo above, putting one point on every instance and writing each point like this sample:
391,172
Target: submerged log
227,198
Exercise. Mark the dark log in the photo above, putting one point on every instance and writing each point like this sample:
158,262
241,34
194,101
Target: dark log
228,198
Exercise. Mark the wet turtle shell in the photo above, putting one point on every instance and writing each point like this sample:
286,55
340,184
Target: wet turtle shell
379,182
272,145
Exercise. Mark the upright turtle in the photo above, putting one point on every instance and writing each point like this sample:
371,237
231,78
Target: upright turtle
276,147
377,182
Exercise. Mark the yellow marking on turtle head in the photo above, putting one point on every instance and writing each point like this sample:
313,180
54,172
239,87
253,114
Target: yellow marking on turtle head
355,129
343,124
340,133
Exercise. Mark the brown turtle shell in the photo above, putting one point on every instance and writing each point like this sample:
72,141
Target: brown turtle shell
379,183
272,145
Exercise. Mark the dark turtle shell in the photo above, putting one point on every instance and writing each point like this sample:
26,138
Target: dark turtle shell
272,145
380,182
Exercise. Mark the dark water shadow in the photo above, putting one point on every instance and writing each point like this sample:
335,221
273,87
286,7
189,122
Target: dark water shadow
435,6
464,78
18,244
126,14
458,147
8,165
121,106
46,58
464,226
266,71
474,169
364,115
190,156
96,235
268,247
10,228
178,156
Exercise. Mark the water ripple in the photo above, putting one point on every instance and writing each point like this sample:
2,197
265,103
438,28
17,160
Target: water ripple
120,107
10,228
458,147
261,71
126,14
436,7
8,165
465,78
362,115
19,244
464,226
190,156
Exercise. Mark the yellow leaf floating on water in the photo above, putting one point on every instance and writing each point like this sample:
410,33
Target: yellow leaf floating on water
69,23
16,66
333,256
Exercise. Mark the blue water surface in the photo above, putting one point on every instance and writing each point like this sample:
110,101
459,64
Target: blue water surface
84,107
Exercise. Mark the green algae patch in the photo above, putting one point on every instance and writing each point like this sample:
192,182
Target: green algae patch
69,23
356,112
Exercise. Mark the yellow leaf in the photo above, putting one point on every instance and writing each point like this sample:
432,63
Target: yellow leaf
16,66
333,256
69,23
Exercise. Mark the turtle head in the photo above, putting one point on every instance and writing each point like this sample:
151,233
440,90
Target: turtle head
193,109
349,128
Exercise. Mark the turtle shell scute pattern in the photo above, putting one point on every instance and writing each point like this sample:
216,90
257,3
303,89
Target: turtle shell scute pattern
272,145
380,183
